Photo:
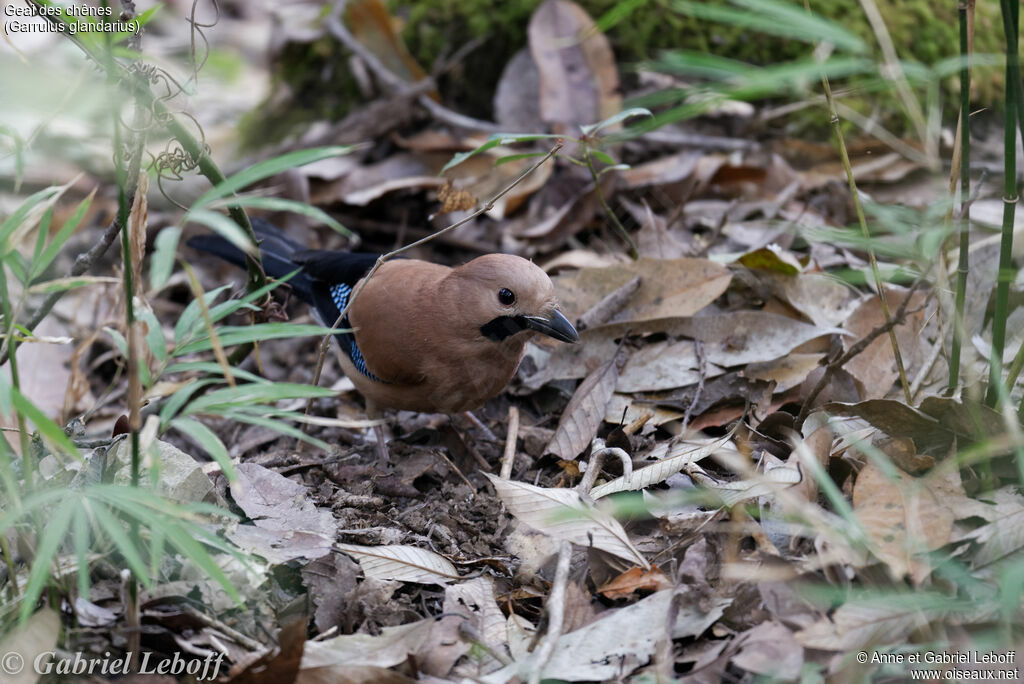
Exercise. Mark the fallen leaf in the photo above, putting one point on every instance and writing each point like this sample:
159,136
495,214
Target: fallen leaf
904,519
633,580
562,514
402,563
875,367
391,647
672,458
287,524
280,664
670,288
579,81
29,642
620,640
583,414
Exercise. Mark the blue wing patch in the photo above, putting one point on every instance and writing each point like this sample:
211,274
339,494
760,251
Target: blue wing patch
339,295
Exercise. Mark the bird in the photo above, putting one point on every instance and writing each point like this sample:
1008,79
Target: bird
419,336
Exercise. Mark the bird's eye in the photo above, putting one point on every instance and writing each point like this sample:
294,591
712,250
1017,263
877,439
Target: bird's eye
506,296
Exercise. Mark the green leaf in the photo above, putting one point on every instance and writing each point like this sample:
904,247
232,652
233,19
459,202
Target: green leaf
64,284
495,140
285,429
53,533
232,335
516,157
161,264
603,157
80,537
223,226
282,204
255,393
267,168
191,313
614,119
212,368
209,441
49,430
40,262
180,398
20,214
777,19
119,341
114,529
154,335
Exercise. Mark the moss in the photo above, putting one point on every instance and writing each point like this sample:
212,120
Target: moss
321,87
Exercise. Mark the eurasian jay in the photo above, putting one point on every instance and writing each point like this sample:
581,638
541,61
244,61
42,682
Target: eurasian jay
424,337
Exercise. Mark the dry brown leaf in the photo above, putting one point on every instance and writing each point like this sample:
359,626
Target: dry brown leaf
633,580
391,647
372,25
933,431
662,366
585,411
288,524
875,367
670,288
454,200
619,641
770,650
903,517
672,458
562,514
137,222
401,563
579,82
281,663
27,642
517,97
786,372
854,626
473,603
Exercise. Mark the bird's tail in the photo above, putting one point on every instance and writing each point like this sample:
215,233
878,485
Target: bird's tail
276,252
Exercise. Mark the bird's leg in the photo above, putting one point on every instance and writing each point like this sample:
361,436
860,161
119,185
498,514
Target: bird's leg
379,432
381,446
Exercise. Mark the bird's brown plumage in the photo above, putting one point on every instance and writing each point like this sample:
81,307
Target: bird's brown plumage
418,326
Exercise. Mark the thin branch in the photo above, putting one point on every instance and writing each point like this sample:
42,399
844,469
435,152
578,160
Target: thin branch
556,613
898,317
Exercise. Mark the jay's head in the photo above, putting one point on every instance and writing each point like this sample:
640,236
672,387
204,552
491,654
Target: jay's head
504,295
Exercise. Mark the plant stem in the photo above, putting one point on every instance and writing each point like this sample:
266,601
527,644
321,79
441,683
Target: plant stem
876,273
12,347
633,252
1004,276
965,192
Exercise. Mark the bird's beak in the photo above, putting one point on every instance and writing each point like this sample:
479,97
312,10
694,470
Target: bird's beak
556,325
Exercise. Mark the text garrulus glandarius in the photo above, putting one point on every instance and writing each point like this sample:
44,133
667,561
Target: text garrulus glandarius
424,337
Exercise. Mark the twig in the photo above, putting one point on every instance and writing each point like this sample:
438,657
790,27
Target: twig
962,165
338,29
701,372
897,318
855,196
509,458
556,613
599,450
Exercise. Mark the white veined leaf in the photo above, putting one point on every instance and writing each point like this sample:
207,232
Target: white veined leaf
771,481
562,514
402,563
677,456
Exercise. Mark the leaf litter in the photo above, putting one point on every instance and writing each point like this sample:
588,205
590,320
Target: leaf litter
709,555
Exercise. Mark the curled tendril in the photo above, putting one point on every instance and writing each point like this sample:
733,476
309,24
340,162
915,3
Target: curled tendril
197,30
